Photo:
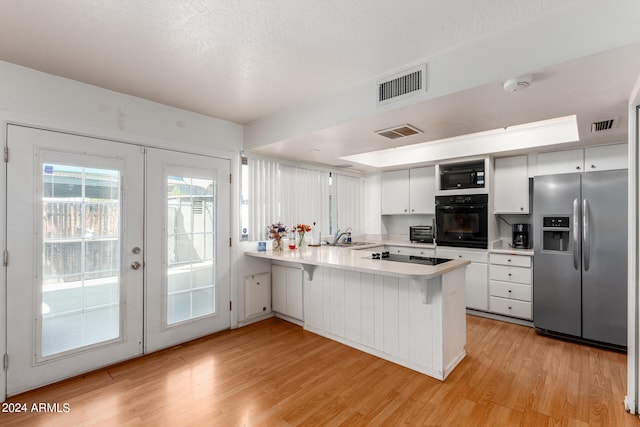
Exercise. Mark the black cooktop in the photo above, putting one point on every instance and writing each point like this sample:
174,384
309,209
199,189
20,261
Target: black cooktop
409,258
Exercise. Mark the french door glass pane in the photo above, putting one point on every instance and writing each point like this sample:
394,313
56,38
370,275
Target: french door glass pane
190,248
80,257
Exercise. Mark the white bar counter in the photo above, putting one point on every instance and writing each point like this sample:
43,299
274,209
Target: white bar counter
409,314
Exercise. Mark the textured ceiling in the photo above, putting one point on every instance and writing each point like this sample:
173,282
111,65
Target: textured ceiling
242,60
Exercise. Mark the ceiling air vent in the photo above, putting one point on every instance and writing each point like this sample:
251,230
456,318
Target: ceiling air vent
399,131
603,125
406,83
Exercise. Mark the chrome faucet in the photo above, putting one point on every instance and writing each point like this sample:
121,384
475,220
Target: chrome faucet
338,236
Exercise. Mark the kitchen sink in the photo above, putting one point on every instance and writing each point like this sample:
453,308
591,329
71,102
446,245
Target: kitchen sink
352,244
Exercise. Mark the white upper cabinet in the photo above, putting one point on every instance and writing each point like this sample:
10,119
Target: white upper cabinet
409,191
422,190
567,161
606,157
394,197
591,159
511,185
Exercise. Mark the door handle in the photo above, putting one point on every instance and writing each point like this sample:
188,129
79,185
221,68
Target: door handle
136,265
586,235
576,234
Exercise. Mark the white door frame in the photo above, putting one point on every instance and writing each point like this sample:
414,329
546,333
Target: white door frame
633,333
160,164
29,146
26,119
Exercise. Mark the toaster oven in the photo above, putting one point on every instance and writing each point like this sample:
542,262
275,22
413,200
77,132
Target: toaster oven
421,233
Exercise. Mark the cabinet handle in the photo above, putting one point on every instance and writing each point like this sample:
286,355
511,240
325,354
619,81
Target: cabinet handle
577,167
521,208
509,291
405,210
593,166
509,274
257,283
509,260
413,210
509,307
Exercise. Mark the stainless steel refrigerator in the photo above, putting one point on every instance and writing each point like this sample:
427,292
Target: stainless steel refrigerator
580,255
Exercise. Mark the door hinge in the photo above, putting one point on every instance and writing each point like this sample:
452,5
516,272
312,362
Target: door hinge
5,258
6,362
230,306
6,153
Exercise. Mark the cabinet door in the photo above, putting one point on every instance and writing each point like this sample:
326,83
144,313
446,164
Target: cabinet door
394,192
279,288
511,185
422,190
257,295
477,286
606,157
294,293
560,162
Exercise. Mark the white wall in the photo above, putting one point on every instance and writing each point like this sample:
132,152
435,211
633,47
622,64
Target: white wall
35,96
39,99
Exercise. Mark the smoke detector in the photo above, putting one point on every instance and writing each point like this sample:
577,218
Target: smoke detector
517,83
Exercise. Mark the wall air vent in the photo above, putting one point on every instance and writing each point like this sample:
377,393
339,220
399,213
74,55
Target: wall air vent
399,131
603,125
401,85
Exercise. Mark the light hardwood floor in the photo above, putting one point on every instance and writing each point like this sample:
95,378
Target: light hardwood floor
275,374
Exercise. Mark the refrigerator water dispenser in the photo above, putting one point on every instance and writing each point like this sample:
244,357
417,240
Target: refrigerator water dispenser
555,233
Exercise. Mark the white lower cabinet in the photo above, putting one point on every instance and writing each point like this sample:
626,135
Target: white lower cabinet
511,286
476,292
286,291
386,316
257,295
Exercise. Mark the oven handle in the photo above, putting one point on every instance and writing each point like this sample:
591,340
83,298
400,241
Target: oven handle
462,206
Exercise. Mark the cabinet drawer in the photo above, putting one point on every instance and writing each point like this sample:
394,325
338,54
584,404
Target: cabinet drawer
403,250
510,274
508,259
510,290
469,255
511,307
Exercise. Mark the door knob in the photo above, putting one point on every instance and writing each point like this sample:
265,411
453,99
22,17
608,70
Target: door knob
136,265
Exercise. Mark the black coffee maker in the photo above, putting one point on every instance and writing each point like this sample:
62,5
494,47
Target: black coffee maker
520,236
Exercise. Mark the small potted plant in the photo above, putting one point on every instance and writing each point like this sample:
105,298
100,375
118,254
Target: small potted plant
276,233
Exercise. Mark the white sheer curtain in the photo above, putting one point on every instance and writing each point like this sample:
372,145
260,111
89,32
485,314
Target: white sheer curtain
287,194
305,197
264,204
348,203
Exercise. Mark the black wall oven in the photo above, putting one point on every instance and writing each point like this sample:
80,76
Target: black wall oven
462,221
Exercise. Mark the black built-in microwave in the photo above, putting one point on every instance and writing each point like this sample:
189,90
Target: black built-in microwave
462,175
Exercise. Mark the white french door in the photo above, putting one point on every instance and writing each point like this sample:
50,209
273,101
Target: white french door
187,247
82,291
74,236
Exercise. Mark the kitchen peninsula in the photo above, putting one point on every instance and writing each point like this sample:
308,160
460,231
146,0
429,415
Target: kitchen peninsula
409,314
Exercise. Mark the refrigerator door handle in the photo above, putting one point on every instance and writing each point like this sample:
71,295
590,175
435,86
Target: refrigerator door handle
586,234
576,234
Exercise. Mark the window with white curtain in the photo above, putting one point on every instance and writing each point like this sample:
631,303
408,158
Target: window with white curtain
287,194
347,203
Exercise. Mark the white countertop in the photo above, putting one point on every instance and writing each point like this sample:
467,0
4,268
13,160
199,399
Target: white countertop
357,260
502,247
